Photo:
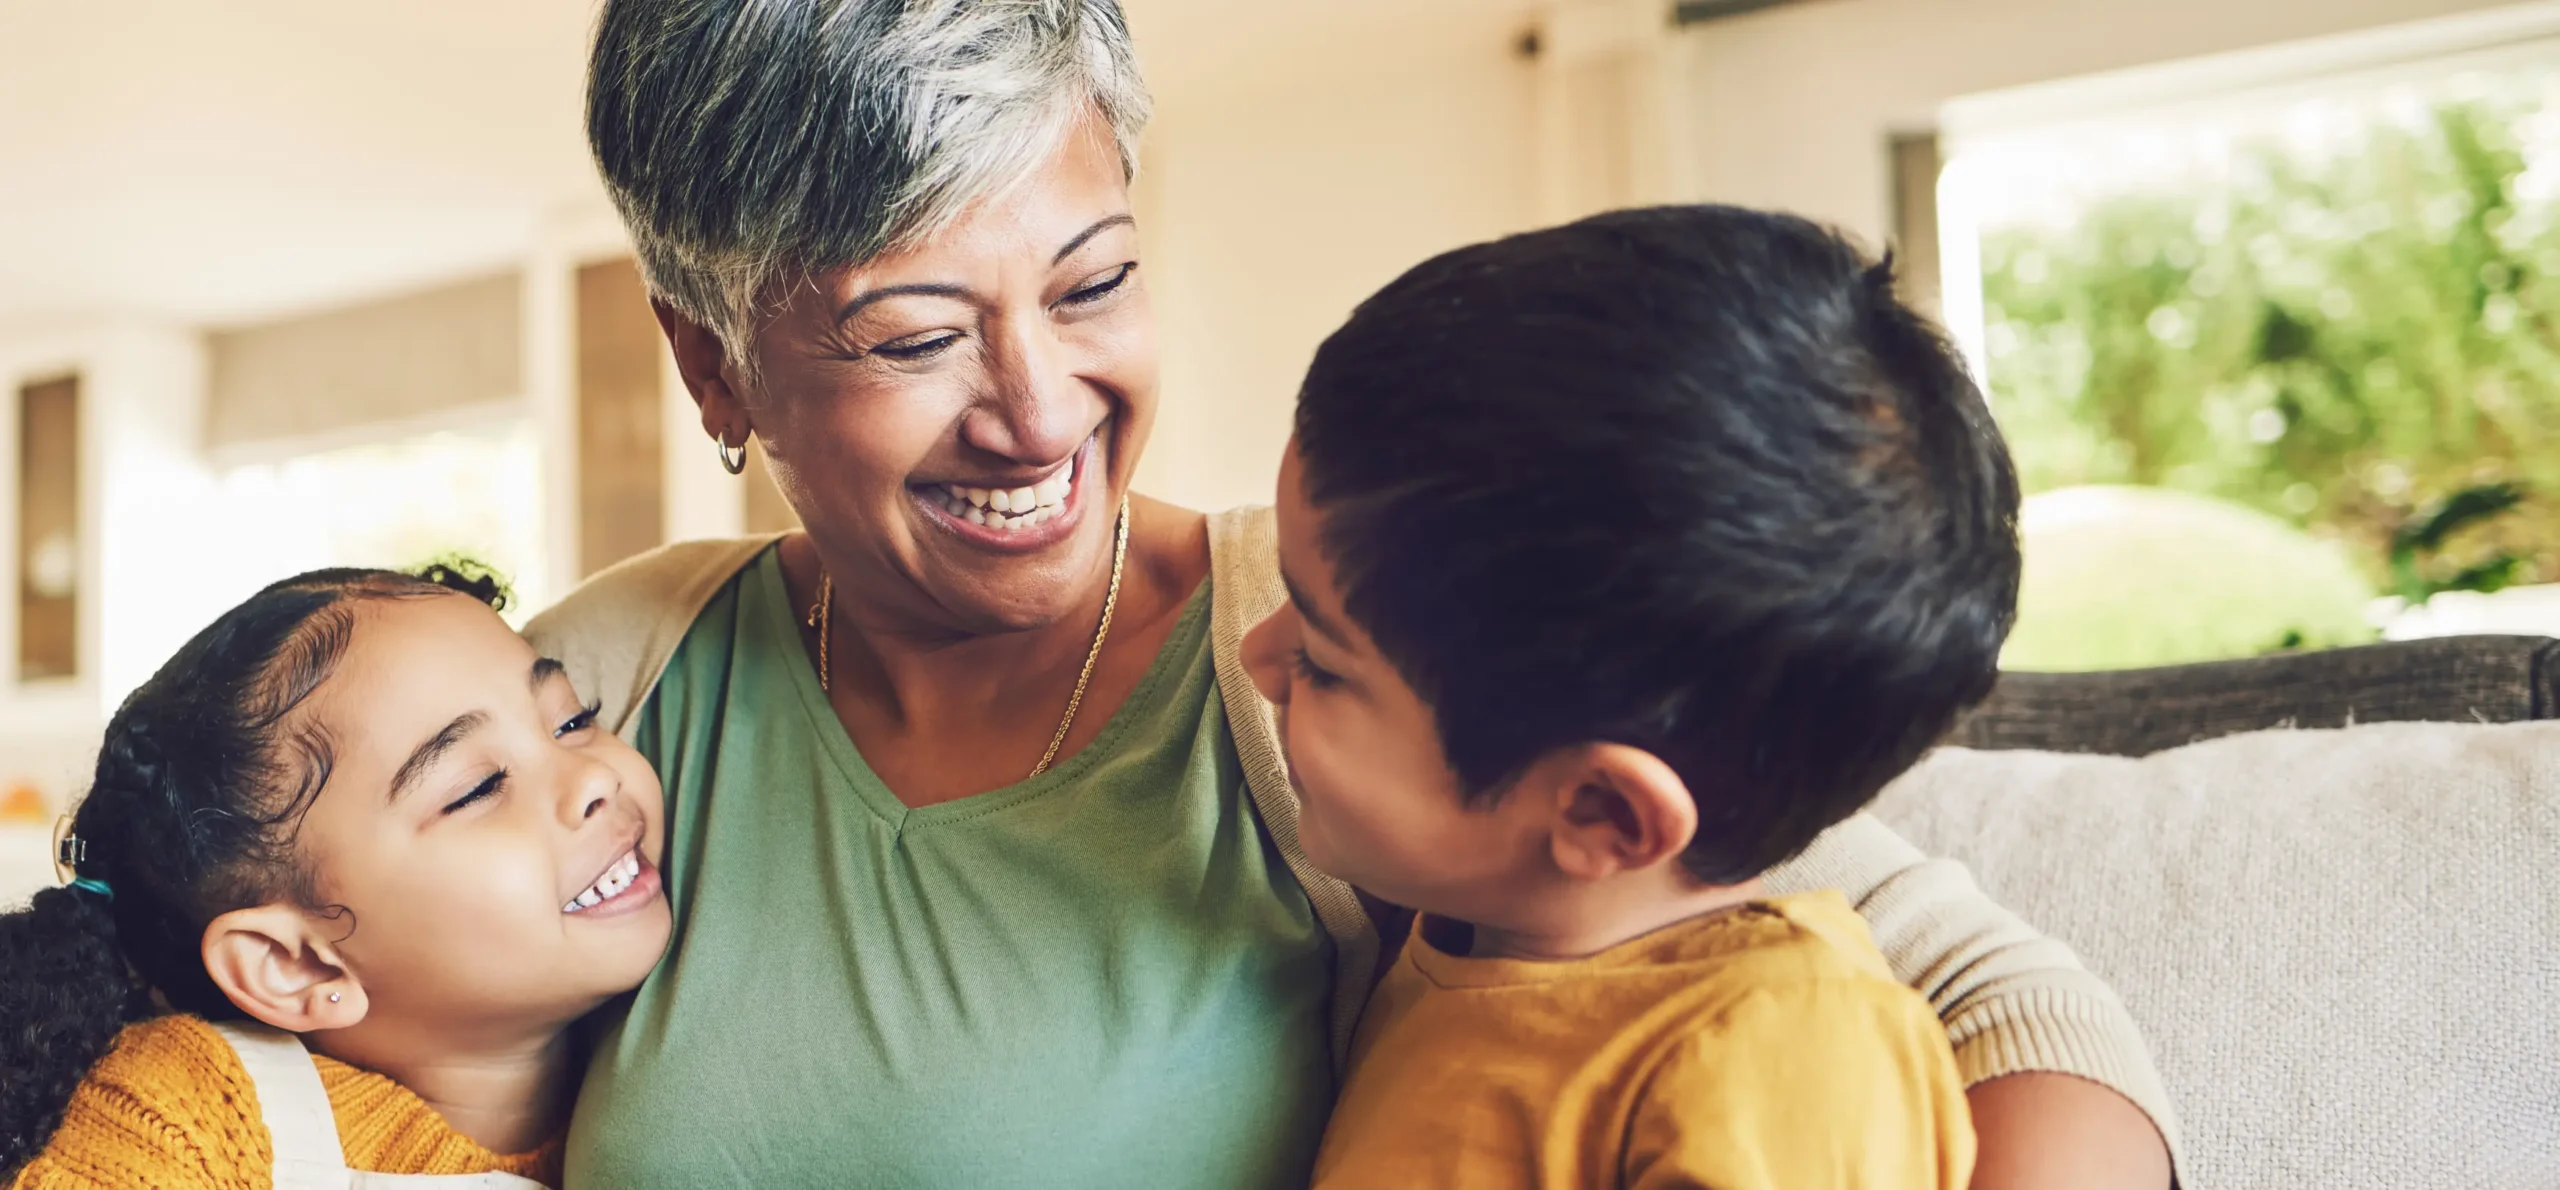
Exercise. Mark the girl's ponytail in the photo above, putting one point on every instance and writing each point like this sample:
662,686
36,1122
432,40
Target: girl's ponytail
65,992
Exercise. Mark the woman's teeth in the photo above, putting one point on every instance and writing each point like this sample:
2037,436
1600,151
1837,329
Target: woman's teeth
615,879
1014,508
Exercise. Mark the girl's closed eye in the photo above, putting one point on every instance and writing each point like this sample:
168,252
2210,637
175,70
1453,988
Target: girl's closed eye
489,787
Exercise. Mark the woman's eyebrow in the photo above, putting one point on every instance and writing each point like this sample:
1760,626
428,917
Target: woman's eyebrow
433,750
867,297
1107,223
938,289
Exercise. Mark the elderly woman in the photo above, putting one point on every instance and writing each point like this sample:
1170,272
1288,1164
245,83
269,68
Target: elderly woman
983,853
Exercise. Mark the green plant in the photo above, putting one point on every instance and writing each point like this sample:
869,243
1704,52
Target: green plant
2427,534
2344,340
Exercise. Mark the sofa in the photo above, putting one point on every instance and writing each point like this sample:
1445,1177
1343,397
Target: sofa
2327,885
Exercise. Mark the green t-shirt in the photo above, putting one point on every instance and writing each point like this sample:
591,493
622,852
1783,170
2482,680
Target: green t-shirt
1105,976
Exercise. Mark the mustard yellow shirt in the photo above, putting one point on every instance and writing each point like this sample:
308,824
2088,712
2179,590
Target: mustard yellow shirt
171,1107
1767,1046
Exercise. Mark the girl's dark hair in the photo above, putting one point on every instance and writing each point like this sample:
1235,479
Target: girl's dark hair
201,782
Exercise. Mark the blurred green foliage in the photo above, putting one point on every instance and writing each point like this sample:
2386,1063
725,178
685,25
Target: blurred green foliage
2351,341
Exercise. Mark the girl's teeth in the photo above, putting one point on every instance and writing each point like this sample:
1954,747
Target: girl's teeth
610,885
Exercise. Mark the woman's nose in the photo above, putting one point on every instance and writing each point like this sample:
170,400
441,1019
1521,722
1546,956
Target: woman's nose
1038,409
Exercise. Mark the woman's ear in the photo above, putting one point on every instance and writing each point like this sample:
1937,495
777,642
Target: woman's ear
275,964
1616,809
703,363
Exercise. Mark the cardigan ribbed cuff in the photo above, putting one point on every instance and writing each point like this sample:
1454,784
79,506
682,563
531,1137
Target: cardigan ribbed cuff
2063,1031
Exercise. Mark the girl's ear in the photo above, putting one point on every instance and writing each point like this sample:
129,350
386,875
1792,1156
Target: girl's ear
275,965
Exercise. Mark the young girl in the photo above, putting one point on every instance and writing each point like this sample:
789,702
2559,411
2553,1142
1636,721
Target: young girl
356,814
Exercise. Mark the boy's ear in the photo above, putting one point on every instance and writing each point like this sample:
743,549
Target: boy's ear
1616,809
277,965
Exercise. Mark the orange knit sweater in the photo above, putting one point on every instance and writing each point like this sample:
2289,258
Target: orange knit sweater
171,1106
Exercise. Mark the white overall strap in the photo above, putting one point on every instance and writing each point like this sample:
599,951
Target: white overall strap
299,1123
360,1180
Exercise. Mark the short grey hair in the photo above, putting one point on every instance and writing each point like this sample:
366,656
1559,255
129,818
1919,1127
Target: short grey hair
752,143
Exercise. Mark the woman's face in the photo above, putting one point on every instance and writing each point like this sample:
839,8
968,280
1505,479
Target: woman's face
956,422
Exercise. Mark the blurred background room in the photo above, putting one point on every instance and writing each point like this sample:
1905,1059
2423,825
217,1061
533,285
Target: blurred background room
2267,294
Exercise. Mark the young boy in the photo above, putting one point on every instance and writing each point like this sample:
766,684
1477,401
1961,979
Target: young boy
1623,559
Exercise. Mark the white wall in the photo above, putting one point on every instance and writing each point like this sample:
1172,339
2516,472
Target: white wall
143,487
1791,107
1276,197
1270,207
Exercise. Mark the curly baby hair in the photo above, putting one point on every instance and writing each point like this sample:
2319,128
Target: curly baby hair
201,781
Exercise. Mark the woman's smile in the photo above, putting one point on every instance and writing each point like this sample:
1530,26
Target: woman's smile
1022,519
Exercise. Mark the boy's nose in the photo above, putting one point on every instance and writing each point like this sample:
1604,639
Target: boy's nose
1264,660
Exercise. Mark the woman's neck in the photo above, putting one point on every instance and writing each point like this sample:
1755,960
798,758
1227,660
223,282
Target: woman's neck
508,1097
941,713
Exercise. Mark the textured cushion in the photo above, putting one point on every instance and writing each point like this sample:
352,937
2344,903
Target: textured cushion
2459,679
2344,946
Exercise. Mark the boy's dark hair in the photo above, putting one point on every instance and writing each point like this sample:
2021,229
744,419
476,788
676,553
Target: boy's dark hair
200,784
1689,479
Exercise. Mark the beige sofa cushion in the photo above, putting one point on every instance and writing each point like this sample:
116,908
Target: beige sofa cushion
2344,946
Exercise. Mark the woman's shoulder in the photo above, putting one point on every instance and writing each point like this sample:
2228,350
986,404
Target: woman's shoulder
671,581
169,1105
1244,565
616,631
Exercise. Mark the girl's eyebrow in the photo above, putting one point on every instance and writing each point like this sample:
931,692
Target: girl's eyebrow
433,750
426,755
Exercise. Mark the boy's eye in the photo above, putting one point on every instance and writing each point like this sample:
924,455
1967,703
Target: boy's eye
489,787
1316,675
579,722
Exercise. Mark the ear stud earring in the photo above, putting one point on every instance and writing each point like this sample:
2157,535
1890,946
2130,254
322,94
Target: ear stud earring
333,997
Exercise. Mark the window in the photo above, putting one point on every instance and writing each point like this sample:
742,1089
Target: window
2249,352
49,553
397,504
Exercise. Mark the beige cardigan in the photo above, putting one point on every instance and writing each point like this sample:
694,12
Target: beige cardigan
2012,999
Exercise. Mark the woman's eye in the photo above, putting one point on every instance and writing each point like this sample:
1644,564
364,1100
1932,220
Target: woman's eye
1316,675
489,787
918,348
1101,289
584,719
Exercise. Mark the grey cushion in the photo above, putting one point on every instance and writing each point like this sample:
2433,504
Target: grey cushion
2342,946
2461,679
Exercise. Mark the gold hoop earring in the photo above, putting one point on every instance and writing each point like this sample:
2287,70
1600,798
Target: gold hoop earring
734,458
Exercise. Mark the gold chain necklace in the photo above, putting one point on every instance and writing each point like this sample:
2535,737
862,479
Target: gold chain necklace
819,619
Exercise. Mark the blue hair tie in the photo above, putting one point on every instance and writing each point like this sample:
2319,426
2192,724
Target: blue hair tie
89,884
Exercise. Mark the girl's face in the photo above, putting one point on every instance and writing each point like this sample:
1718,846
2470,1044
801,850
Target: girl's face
494,853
